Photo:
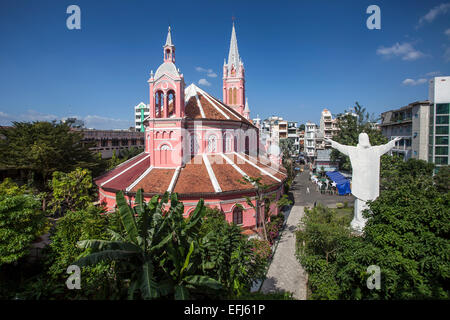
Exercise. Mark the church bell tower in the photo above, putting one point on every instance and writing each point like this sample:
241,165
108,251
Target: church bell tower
234,77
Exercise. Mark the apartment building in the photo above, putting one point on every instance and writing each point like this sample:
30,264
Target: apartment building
141,111
439,96
310,139
328,128
411,124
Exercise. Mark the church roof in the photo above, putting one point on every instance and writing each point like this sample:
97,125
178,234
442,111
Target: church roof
168,68
204,175
201,105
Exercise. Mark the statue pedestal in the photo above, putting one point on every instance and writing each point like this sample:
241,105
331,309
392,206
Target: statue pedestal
359,222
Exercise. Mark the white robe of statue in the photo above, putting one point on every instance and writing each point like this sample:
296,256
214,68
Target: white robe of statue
365,161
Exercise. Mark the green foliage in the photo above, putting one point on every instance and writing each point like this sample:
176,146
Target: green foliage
321,233
227,255
159,249
44,147
21,221
71,191
406,235
10,188
442,179
349,129
73,227
126,154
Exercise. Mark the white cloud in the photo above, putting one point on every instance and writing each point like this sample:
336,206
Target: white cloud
412,82
447,32
204,82
90,121
200,69
433,13
99,122
433,73
209,72
28,116
404,50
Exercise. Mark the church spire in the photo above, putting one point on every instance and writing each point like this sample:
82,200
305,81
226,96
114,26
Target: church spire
233,55
246,110
169,39
234,77
169,49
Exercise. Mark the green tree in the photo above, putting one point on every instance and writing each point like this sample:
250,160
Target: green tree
442,179
40,148
71,191
406,235
21,222
97,282
350,126
228,256
126,154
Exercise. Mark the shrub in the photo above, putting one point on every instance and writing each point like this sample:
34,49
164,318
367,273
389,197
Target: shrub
21,222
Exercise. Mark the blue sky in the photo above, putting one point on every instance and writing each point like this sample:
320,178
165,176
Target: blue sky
300,56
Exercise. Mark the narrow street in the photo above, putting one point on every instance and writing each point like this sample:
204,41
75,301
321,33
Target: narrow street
285,273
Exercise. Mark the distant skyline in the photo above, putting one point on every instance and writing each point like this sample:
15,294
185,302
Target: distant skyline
299,56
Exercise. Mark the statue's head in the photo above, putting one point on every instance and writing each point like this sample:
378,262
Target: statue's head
363,140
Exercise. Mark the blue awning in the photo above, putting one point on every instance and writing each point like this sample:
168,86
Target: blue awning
342,184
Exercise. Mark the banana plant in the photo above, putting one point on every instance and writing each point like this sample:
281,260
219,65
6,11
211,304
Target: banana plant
182,259
144,235
158,245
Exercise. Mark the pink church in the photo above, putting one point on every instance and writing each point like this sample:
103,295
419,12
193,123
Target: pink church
198,146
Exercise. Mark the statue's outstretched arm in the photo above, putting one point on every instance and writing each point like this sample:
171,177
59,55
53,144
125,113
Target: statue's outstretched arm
338,146
388,146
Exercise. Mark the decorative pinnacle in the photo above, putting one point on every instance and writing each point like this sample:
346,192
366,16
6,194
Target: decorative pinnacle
169,39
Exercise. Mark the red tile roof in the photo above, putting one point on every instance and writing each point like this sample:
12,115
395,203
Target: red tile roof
194,178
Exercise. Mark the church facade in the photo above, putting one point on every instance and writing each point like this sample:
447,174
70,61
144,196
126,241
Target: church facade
198,146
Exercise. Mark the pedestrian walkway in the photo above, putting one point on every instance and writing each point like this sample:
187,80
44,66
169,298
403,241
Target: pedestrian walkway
285,273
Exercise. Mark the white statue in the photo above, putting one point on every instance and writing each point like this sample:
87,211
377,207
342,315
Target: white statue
365,161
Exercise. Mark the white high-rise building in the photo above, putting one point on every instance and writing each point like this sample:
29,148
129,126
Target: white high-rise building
310,139
439,96
139,115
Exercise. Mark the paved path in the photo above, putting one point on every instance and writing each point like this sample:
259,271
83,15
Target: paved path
285,272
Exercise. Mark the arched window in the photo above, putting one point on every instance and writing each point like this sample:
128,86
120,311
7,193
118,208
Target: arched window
171,103
234,96
230,96
159,104
247,145
171,135
194,145
212,143
237,215
227,143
